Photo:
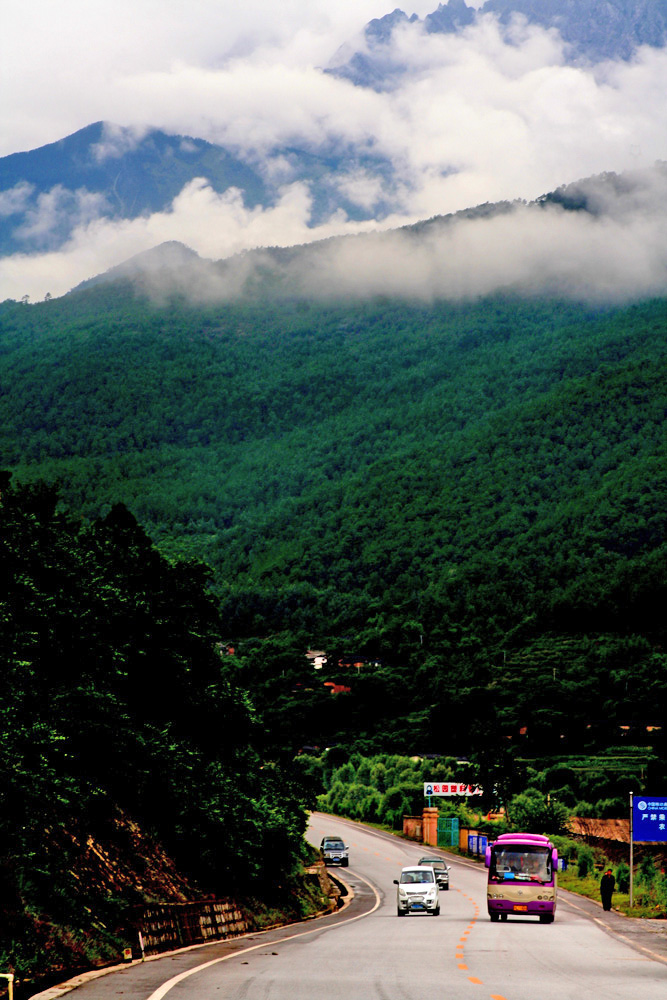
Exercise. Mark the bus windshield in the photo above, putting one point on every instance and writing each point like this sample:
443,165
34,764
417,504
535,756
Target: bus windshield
521,862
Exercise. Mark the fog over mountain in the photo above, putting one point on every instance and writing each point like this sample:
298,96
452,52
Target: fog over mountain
255,142
106,171
593,31
603,239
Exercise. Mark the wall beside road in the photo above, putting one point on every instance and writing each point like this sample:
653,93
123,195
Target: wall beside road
166,926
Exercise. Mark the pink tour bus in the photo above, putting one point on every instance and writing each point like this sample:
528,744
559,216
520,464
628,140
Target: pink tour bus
522,877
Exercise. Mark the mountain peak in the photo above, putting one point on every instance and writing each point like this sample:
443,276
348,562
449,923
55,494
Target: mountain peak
166,259
592,30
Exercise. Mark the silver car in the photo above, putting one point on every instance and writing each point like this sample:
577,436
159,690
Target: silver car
417,891
441,869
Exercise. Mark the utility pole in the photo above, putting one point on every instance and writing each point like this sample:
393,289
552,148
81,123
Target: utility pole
632,857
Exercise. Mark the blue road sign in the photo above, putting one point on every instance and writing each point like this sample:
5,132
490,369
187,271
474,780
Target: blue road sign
649,818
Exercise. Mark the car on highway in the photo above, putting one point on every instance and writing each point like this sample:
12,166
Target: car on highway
441,869
334,851
417,891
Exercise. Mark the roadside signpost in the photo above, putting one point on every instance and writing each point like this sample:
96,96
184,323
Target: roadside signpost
449,789
648,824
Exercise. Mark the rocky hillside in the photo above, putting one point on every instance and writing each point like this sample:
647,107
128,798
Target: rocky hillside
119,862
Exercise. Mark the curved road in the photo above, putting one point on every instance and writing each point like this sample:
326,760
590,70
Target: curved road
366,953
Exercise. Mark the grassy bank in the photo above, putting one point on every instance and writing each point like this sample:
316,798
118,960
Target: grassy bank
645,903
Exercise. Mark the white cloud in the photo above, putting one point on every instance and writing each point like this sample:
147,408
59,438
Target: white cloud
65,65
532,249
361,188
616,255
117,140
214,225
15,200
55,208
475,119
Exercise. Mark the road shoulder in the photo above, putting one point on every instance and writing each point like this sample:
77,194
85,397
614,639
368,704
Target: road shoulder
646,936
357,900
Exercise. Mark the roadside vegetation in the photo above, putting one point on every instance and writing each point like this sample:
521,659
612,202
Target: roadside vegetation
384,788
586,866
116,695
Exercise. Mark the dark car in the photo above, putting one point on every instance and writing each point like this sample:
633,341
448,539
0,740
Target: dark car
441,869
334,851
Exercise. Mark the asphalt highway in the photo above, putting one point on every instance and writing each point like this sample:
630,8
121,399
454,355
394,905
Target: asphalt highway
365,952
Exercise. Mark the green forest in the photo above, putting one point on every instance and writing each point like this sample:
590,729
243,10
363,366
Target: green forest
463,504
472,496
116,695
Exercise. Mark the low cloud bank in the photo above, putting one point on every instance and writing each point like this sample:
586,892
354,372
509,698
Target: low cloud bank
602,239
613,250
530,250
475,118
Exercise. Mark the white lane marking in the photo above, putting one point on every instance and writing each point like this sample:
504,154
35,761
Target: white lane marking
162,991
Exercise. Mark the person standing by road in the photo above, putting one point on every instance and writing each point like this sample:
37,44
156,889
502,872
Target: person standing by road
607,886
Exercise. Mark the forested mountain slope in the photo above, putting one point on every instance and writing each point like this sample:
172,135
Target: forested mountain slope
442,486
475,427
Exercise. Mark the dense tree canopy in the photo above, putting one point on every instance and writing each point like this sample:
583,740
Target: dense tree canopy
472,496
114,694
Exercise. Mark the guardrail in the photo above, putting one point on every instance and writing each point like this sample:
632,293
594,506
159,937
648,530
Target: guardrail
9,976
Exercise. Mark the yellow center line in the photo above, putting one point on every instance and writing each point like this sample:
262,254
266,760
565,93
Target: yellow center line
463,939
